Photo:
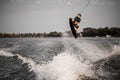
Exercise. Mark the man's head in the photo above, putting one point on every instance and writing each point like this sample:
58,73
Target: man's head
79,15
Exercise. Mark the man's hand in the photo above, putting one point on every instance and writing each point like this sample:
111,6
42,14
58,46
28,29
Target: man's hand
77,29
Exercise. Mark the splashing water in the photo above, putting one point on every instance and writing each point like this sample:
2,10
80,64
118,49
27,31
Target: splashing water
63,67
67,65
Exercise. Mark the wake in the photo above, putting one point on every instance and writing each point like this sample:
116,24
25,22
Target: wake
68,65
63,67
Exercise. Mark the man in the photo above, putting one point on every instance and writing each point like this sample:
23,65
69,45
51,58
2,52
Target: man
76,21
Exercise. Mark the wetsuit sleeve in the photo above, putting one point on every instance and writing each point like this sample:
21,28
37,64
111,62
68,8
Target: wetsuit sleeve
75,18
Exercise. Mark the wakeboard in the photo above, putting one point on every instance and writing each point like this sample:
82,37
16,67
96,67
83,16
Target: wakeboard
72,28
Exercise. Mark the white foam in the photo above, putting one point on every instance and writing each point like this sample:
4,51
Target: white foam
66,66
30,62
116,49
5,53
63,67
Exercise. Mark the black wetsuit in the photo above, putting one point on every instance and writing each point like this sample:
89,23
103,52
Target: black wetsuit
78,20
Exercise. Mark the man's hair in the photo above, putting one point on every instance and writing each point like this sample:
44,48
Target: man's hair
79,14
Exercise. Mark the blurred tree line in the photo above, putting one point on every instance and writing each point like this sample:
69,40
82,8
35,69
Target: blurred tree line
87,32
13,35
101,32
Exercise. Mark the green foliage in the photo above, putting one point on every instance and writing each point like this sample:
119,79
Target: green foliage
30,35
101,32
87,32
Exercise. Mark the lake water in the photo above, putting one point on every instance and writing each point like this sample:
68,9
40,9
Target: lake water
60,58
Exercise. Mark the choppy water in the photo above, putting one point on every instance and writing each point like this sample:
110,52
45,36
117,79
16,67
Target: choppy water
60,59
